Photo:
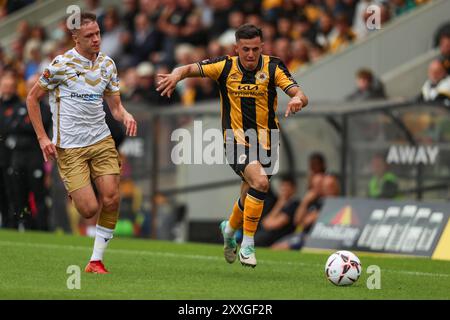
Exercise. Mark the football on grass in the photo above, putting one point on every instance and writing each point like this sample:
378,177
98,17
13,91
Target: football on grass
343,268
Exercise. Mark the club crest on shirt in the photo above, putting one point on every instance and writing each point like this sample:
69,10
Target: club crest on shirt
46,74
261,76
104,73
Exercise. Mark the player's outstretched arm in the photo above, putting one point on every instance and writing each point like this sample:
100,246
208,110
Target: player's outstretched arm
34,112
298,101
167,82
120,114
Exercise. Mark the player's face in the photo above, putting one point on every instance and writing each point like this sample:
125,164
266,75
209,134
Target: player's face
88,38
249,51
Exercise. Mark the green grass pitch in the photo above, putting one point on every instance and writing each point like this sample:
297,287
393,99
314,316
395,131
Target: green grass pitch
34,266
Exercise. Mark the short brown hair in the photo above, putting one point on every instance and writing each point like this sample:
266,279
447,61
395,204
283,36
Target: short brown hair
85,18
88,16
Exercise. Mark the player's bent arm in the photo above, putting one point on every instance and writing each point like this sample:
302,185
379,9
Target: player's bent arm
298,100
120,114
167,82
34,110
297,92
187,71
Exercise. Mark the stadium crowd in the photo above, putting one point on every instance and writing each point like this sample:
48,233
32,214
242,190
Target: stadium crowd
147,37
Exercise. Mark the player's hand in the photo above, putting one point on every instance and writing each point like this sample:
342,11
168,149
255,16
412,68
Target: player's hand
294,105
130,125
48,149
166,84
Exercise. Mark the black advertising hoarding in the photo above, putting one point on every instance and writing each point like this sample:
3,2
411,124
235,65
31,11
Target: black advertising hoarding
398,227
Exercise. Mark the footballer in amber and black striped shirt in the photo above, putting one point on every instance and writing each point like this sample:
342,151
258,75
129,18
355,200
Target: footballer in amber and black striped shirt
248,95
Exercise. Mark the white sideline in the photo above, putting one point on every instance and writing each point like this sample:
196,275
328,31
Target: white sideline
193,256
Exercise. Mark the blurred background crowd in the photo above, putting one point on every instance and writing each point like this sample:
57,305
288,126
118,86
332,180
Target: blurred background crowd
147,37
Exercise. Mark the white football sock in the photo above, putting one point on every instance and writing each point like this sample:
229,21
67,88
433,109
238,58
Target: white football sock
248,241
229,231
102,237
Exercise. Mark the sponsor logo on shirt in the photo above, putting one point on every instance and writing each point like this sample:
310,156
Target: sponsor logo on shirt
86,96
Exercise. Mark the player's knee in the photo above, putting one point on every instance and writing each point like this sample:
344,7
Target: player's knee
261,184
111,202
88,211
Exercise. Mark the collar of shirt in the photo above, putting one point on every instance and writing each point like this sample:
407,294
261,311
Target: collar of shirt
258,67
84,59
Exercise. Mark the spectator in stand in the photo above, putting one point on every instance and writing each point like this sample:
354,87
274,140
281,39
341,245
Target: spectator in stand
308,8
145,40
32,58
367,87
300,55
193,89
129,84
145,91
27,172
443,29
38,33
325,28
284,27
235,20
111,44
342,35
271,10
95,6
269,31
437,86
215,49
444,48
6,117
306,215
385,12
130,9
383,184
283,50
304,29
194,32
317,167
254,18
48,53
220,11
171,22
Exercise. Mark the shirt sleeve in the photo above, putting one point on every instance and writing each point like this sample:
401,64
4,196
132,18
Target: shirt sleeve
212,68
53,75
283,78
113,86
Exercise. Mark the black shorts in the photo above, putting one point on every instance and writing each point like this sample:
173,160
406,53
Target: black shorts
239,156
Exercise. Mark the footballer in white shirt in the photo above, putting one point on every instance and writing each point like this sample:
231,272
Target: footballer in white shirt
77,82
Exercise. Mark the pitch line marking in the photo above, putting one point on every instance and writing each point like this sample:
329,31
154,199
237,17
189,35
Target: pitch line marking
194,256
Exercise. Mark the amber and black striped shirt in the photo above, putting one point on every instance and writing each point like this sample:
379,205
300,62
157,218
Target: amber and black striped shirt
248,98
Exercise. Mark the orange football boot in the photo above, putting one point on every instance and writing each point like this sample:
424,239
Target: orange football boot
96,267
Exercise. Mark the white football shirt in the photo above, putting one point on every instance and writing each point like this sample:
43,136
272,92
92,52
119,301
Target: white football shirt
76,87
